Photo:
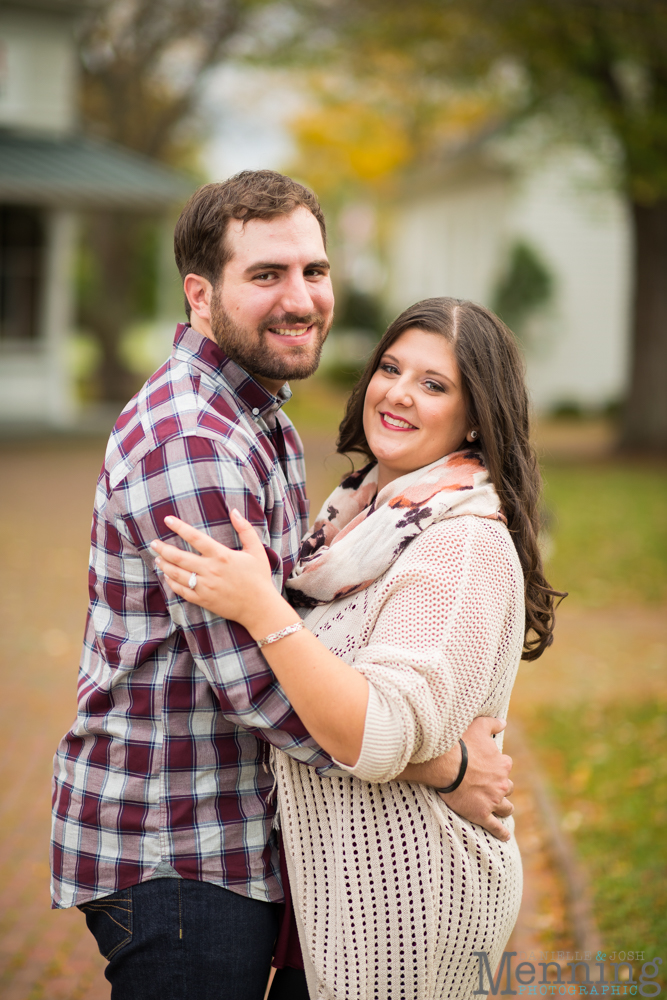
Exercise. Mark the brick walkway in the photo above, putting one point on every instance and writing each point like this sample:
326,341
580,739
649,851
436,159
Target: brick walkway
45,507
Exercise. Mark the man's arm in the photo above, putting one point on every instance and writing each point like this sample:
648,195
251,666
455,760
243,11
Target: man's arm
198,479
482,795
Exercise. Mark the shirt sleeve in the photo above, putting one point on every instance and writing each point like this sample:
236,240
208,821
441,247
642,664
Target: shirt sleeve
444,640
197,479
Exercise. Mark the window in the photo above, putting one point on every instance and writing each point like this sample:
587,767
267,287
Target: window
21,265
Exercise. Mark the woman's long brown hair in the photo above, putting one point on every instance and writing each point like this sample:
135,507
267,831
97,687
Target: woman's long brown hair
492,371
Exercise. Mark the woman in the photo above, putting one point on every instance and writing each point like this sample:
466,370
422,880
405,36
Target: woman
414,578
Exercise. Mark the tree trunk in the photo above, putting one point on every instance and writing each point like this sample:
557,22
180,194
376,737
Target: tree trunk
645,417
109,305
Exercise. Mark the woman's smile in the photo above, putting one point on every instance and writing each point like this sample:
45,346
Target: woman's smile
395,423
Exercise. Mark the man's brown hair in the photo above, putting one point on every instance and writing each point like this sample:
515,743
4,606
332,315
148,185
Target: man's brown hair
200,246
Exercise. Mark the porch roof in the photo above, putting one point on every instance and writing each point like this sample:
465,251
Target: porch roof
80,172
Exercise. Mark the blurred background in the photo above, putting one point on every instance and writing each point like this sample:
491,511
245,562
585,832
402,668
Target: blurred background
511,153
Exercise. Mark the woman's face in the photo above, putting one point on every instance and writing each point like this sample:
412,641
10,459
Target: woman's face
414,411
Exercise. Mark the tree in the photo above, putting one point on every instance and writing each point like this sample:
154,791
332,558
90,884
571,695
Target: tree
606,61
142,66
600,66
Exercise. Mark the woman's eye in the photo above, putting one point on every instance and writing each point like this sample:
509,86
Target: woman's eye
390,369
434,386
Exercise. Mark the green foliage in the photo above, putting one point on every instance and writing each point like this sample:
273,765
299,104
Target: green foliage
570,409
316,405
602,64
598,65
525,287
140,257
608,767
147,264
608,524
343,374
360,311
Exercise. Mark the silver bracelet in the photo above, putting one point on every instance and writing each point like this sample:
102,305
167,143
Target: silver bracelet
274,636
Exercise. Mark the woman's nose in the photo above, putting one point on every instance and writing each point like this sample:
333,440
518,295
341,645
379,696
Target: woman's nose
399,393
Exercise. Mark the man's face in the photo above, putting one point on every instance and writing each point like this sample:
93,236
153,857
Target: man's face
273,307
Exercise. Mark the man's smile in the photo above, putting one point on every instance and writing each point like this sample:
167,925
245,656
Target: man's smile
291,331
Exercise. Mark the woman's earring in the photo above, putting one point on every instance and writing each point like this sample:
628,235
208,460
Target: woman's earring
473,435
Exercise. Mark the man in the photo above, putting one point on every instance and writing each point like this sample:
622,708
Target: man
163,809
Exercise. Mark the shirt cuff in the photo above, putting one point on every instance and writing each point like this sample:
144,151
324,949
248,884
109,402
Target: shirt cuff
382,749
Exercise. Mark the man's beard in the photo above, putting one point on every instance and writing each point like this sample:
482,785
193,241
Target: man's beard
249,348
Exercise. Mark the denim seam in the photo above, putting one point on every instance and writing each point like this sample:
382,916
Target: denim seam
101,906
180,914
105,909
121,944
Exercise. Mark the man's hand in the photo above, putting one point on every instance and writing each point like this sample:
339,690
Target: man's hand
482,795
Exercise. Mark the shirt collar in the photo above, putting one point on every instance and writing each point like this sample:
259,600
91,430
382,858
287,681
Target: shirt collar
204,354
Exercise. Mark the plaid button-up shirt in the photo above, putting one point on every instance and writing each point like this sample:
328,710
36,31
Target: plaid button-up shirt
166,761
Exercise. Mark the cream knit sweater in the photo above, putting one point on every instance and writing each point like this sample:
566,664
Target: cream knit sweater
393,892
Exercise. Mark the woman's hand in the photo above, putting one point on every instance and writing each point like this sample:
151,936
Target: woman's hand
232,584
329,695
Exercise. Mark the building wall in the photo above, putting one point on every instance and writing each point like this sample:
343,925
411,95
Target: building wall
455,239
449,241
583,233
38,72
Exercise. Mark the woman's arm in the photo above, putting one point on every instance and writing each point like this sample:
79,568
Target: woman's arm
447,628
328,695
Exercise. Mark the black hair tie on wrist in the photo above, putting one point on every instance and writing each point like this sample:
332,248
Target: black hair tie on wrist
462,770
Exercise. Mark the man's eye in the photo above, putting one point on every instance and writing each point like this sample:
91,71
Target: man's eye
265,276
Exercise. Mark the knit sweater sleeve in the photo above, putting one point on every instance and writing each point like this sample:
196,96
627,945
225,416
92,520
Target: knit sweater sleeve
442,639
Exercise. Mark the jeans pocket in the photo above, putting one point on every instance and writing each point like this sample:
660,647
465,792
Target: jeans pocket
110,921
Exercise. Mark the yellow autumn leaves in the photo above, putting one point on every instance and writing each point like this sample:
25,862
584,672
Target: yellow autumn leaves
364,138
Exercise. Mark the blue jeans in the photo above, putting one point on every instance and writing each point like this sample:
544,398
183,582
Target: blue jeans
177,939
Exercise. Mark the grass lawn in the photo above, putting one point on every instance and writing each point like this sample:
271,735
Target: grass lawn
609,765
607,759
608,527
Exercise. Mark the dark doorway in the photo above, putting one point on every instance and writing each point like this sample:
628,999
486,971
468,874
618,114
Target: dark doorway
21,272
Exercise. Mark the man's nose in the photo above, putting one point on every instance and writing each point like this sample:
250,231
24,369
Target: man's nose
295,296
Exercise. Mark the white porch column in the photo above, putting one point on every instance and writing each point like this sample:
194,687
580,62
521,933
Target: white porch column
57,314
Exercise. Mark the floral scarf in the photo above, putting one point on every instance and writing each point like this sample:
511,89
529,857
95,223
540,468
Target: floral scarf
358,534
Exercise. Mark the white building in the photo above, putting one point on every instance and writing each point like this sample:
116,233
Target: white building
452,232
49,174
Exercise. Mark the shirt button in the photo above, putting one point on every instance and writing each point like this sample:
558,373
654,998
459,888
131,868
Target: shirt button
255,411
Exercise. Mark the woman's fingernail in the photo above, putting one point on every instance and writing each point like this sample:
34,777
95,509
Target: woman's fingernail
168,518
158,561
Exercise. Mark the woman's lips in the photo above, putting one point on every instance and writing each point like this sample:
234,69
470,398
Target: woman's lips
394,423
